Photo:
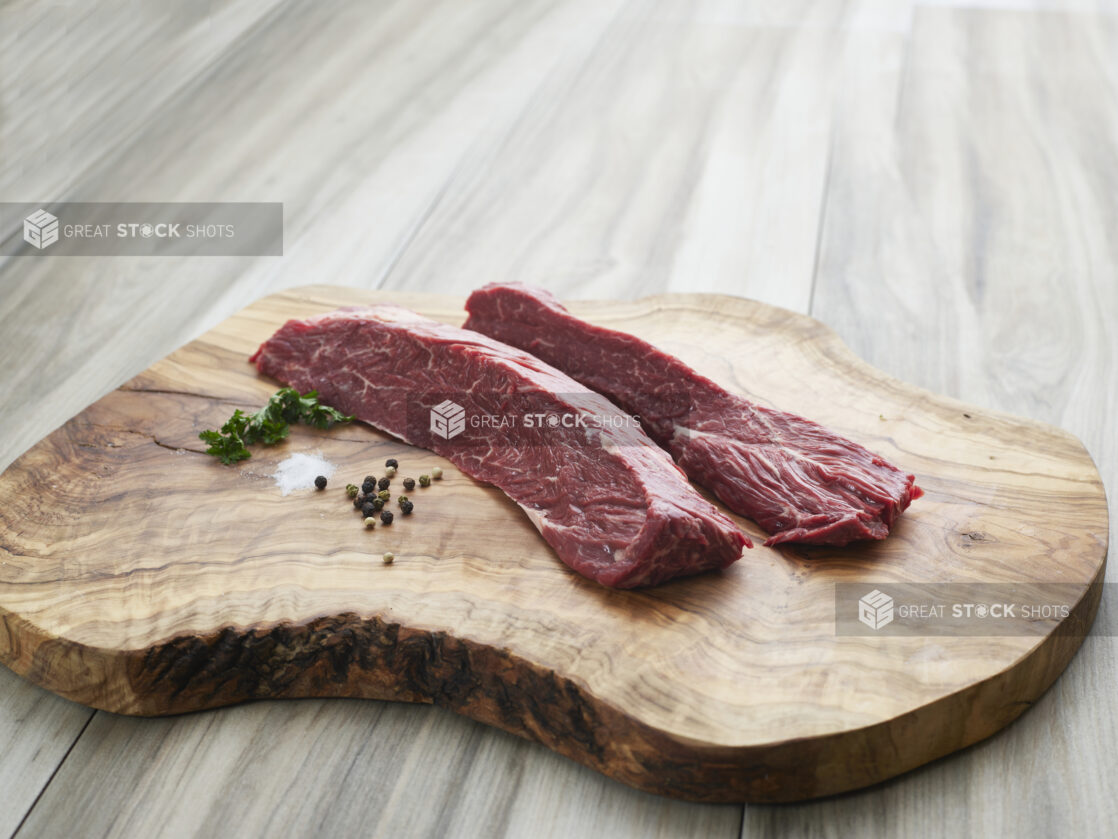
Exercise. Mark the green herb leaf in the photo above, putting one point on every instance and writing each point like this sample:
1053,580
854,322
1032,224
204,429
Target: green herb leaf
323,416
270,424
229,447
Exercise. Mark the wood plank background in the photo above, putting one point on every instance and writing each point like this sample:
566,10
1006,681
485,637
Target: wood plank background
938,181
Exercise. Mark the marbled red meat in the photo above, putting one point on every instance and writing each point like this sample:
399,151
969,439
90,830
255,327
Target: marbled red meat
612,504
800,481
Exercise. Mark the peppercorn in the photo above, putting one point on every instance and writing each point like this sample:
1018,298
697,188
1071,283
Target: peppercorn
401,499
368,509
378,504
409,484
437,473
406,507
388,557
368,486
392,463
425,480
351,490
390,471
359,501
370,522
384,495
320,482
386,516
383,483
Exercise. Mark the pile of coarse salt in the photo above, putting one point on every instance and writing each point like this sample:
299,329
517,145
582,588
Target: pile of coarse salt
299,471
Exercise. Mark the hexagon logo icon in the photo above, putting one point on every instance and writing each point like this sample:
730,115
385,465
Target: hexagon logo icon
40,229
875,610
448,419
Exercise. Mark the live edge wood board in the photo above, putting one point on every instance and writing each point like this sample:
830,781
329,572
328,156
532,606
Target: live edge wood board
140,576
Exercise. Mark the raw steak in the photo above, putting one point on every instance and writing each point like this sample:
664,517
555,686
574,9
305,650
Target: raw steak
604,496
798,480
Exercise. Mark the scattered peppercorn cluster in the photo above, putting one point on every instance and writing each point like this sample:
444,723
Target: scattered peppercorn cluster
371,497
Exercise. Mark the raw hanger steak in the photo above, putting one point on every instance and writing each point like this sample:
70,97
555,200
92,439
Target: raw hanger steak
795,478
612,504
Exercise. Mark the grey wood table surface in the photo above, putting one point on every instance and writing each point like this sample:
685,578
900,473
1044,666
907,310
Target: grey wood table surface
936,181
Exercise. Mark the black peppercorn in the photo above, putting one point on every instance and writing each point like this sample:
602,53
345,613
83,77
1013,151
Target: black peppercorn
383,484
368,509
320,482
386,516
368,486
406,507
392,463
409,484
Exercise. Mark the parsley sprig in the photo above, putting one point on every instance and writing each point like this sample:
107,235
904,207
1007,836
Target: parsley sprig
270,424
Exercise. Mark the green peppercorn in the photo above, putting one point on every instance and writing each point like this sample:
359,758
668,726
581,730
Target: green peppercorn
409,484
425,480
383,483
351,490
377,504
386,516
437,473
401,499
392,463
406,507
384,495
388,557
320,482
370,522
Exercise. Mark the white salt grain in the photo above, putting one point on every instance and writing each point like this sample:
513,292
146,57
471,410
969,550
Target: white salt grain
299,471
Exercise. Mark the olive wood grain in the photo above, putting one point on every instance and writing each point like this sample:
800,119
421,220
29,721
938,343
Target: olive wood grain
140,576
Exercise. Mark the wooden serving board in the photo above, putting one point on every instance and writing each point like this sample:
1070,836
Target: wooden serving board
140,576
